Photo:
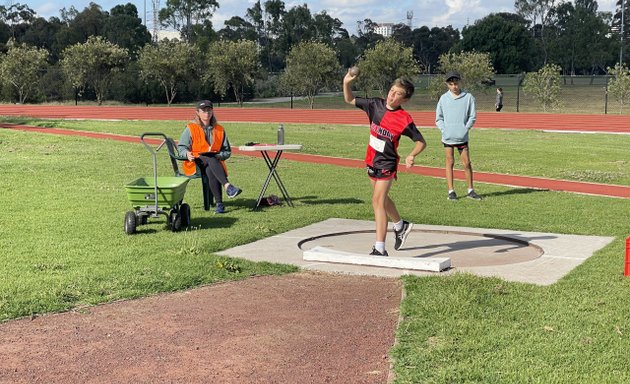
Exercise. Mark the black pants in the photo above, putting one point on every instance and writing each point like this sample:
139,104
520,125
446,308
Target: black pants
216,175
499,107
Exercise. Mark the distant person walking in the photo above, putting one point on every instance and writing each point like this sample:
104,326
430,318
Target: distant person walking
498,104
454,116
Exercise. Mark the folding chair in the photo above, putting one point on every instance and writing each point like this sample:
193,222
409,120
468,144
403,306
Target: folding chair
174,155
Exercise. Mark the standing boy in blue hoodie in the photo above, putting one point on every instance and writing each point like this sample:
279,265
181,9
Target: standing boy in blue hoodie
454,116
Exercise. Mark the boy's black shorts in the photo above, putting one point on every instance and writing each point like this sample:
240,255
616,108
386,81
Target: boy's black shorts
460,147
380,174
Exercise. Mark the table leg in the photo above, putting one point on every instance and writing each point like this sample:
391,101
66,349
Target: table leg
272,166
279,182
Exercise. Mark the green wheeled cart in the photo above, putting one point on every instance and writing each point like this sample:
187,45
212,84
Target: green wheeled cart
154,196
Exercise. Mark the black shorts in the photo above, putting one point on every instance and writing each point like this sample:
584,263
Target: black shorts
380,174
460,147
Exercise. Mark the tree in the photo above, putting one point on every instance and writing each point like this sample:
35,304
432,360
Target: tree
539,13
544,85
182,15
92,64
89,22
266,19
384,63
311,67
429,44
535,10
298,26
403,34
347,51
22,67
617,22
232,64
237,28
367,36
578,26
328,29
474,67
170,63
41,33
619,84
504,36
15,15
124,28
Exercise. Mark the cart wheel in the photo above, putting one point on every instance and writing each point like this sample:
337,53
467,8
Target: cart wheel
176,220
184,212
130,222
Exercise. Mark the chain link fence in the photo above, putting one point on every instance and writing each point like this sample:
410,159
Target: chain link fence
578,94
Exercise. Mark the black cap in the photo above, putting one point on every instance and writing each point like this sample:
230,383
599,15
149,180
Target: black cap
452,75
204,104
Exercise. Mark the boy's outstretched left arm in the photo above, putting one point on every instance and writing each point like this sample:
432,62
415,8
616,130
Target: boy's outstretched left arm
419,146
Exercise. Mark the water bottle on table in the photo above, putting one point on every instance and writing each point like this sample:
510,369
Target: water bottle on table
281,134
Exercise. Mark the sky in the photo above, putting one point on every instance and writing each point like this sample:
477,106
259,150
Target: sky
432,13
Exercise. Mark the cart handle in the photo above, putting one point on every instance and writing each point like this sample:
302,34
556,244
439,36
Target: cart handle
154,155
148,146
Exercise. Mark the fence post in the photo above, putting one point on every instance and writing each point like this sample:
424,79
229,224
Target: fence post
518,93
606,97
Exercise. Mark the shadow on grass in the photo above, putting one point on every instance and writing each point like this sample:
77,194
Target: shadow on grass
312,200
142,230
515,191
215,221
249,205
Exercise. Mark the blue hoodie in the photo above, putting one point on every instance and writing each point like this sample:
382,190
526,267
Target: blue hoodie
455,116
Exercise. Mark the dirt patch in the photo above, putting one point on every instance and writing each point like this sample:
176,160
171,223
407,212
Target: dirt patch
297,328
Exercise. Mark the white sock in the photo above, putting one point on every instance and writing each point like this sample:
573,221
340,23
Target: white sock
470,190
380,246
451,191
398,225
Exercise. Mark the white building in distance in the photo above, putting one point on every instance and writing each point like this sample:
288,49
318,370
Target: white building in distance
384,29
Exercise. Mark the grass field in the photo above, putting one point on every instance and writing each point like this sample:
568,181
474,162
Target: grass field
64,247
593,158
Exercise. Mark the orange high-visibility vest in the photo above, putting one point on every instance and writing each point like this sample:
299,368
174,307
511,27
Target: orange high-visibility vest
200,144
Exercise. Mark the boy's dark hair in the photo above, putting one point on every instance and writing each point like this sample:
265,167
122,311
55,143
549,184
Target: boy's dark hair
406,85
500,89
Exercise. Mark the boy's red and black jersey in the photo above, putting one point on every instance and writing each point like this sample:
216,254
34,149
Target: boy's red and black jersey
386,127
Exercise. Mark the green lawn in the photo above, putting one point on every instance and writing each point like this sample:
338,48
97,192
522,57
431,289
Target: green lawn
64,246
593,158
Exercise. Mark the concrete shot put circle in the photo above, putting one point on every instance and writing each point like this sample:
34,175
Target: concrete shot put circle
342,246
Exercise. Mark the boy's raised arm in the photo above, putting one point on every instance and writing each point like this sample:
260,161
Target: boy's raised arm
348,96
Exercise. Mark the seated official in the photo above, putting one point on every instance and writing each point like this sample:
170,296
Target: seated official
205,144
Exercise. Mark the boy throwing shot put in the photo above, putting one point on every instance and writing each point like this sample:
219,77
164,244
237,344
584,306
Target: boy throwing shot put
388,121
455,115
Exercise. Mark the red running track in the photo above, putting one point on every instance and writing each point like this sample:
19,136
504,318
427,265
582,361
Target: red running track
492,178
537,121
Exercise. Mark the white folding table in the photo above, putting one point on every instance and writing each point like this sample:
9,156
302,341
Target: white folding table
272,165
